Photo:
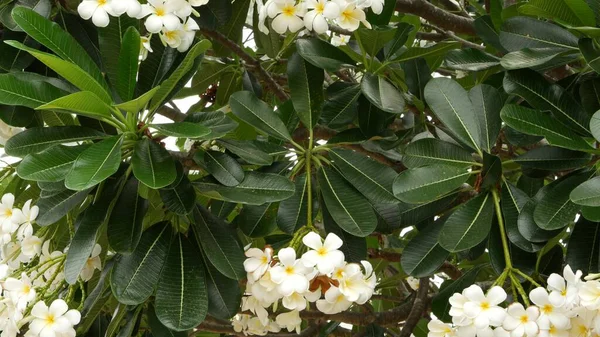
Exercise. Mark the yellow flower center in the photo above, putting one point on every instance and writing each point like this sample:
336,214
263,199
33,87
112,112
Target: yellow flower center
484,305
8,212
546,309
552,330
320,8
524,319
289,10
346,15
26,289
171,34
160,12
50,319
322,251
289,270
102,2
564,292
339,299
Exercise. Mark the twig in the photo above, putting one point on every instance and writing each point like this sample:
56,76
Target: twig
419,305
437,16
260,72
453,36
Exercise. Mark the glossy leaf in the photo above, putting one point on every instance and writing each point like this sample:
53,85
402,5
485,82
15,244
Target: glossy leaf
572,12
470,60
552,158
181,198
587,194
181,296
135,276
152,164
423,255
430,151
469,225
249,108
353,247
95,164
488,101
257,221
50,165
83,103
182,129
128,64
26,93
347,207
513,201
138,104
37,139
322,54
247,151
293,212
341,108
428,183
306,87
224,294
223,168
523,32
55,206
125,224
583,250
529,58
382,94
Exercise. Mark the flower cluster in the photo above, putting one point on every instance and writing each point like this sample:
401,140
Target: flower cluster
320,276
170,19
31,276
568,306
315,15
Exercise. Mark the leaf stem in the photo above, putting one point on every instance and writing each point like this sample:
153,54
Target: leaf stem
309,178
502,229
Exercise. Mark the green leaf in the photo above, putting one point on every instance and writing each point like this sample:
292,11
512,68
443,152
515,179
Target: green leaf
583,249
152,164
450,103
247,151
556,210
181,296
157,328
182,129
402,31
256,189
382,93
513,201
553,158
432,151
571,12
224,168
128,64
224,294
595,125
526,224
180,199
110,41
37,139
156,66
95,164
521,32
341,108
423,255
353,247
257,221
57,40
250,109
306,87
428,183
469,225
349,209
169,84
322,54
69,71
31,94
535,122
54,207
136,105
135,276
233,27
470,60
219,245
545,96
588,193
87,226
83,103
591,52
293,212
372,179
488,101
125,225
529,58
50,165
436,50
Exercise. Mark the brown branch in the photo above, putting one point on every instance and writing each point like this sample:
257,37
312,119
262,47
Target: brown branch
453,7
448,268
437,16
257,68
453,36
419,305
171,113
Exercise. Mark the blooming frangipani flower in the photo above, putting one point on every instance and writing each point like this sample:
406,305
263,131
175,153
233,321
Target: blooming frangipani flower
438,328
6,210
351,16
334,302
520,321
549,313
93,263
483,308
20,291
320,11
257,262
291,275
54,320
340,40
286,15
589,295
160,13
290,320
564,291
324,255
99,10
25,217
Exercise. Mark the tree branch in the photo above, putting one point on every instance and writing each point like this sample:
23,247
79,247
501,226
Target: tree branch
419,305
257,68
453,36
437,16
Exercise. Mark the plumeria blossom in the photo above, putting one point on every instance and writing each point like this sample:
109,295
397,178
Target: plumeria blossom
484,309
324,255
290,320
340,40
257,262
160,14
25,217
520,321
438,328
334,302
291,274
6,210
589,294
564,291
99,11
286,15
54,320
550,315
93,263
351,16
319,11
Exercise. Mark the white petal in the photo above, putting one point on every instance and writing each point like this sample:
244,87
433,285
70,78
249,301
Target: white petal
510,323
295,24
474,293
515,310
310,258
279,24
496,295
118,7
331,10
100,18
556,282
40,310
171,22
58,308
86,9
539,296
332,242
153,24
557,299
313,240
287,256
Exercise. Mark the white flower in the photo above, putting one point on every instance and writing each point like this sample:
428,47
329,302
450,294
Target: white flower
92,263
290,275
20,292
146,47
353,284
583,324
171,38
161,14
287,15
521,321
257,262
457,303
7,131
188,32
413,282
99,10
553,331
438,328
6,210
197,3
31,247
290,320
252,304
375,5
295,301
240,322
316,19
325,256
334,302
340,40
549,313
370,280
25,217
351,16
264,289
52,321
589,295
564,291
484,309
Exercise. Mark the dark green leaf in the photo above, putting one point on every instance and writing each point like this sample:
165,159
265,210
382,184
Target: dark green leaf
584,246
128,64
293,212
125,224
224,168
430,151
136,275
571,12
54,207
523,32
470,60
37,139
552,158
488,101
347,207
428,183
587,194
306,87
14,91
322,54
152,164
469,225
341,108
136,105
157,328
513,201
247,151
180,199
95,164
224,294
257,113
257,221
182,129
50,165
382,93
556,210
353,247
529,58
83,103
423,255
